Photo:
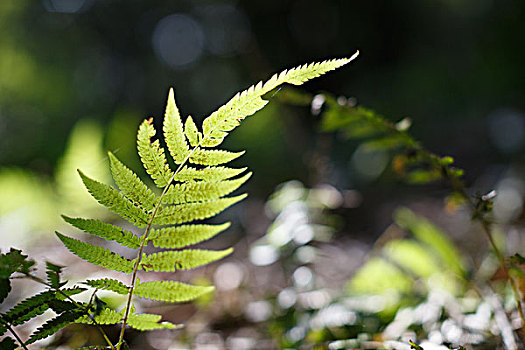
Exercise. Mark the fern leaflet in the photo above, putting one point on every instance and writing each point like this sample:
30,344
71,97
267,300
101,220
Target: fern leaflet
171,291
97,255
109,284
105,230
174,260
184,235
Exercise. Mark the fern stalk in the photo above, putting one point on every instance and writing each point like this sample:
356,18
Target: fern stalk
141,248
22,344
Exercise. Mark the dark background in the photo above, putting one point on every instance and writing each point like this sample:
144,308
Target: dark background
454,67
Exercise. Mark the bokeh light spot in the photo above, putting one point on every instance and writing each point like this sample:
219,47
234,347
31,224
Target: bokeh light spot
178,40
64,6
507,129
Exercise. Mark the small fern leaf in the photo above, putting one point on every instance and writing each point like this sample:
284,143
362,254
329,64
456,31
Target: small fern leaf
185,235
105,230
187,212
8,343
213,157
188,259
215,173
60,306
173,131
171,291
53,274
246,103
202,191
130,184
149,322
106,317
97,255
152,156
109,284
29,308
35,305
192,132
54,325
115,201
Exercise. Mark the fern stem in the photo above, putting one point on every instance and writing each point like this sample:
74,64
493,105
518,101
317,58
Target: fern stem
80,306
141,248
22,344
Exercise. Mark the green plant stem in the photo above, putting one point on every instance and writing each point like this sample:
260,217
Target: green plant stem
141,248
16,336
86,310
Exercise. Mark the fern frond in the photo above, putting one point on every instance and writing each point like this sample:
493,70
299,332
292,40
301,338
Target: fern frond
54,325
192,133
151,155
130,184
171,291
105,230
209,173
213,157
115,201
109,284
106,317
246,103
188,259
202,191
173,131
149,322
96,255
187,212
185,235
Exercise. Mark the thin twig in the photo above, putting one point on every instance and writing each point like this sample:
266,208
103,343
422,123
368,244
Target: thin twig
22,344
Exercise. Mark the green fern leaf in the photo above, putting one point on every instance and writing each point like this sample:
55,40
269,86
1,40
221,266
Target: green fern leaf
35,305
53,274
129,183
116,202
60,306
149,322
151,155
173,131
106,317
185,235
109,284
171,291
171,261
202,191
187,212
54,325
213,157
29,308
8,343
105,230
209,173
192,132
97,255
246,103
